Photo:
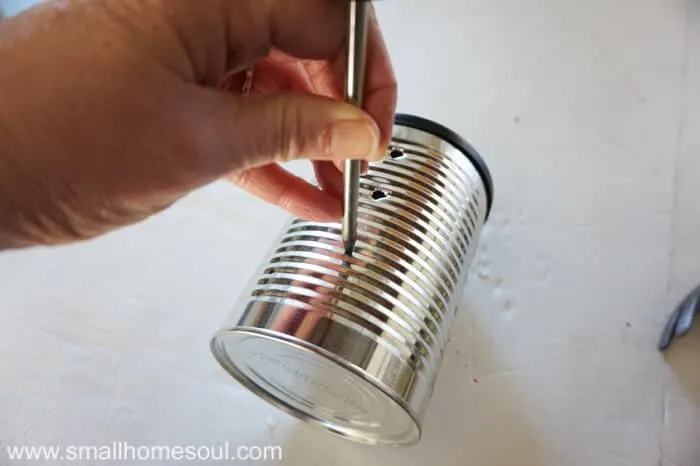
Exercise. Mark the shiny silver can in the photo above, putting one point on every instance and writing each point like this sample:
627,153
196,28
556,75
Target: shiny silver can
353,344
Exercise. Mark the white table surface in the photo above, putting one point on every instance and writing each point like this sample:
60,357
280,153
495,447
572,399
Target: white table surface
588,114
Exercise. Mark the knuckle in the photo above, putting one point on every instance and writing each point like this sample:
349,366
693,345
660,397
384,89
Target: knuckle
285,200
241,179
293,135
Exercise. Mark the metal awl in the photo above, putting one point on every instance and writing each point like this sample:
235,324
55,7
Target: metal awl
358,15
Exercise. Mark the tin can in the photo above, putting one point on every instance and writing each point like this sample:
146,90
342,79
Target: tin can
353,344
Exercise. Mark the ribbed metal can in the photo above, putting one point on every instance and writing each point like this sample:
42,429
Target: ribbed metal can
353,344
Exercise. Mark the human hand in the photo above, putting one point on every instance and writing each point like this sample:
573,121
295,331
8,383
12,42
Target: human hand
114,110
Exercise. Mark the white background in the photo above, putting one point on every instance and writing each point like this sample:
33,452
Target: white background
588,114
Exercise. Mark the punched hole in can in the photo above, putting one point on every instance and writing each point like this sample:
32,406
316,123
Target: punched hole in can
379,194
396,153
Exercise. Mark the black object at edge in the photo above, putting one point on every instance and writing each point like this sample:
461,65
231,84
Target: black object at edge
429,126
682,319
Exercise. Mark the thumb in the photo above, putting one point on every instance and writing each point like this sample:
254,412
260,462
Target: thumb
259,130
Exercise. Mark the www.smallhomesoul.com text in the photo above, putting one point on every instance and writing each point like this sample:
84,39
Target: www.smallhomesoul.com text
123,451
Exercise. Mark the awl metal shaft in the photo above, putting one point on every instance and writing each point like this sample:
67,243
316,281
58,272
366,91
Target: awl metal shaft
358,15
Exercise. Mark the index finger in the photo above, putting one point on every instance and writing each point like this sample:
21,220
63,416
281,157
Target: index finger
311,30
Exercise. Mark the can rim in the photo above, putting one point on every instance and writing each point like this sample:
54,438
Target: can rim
233,369
461,144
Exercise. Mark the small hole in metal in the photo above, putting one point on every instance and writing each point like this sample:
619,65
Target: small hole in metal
396,153
378,194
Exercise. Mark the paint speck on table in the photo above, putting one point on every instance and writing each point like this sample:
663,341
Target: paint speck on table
271,423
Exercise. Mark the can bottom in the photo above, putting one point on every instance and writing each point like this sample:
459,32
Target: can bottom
317,388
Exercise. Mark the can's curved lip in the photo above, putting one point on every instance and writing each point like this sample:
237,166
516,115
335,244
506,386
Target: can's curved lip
432,127
234,370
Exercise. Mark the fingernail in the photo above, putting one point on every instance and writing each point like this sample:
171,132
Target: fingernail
354,140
